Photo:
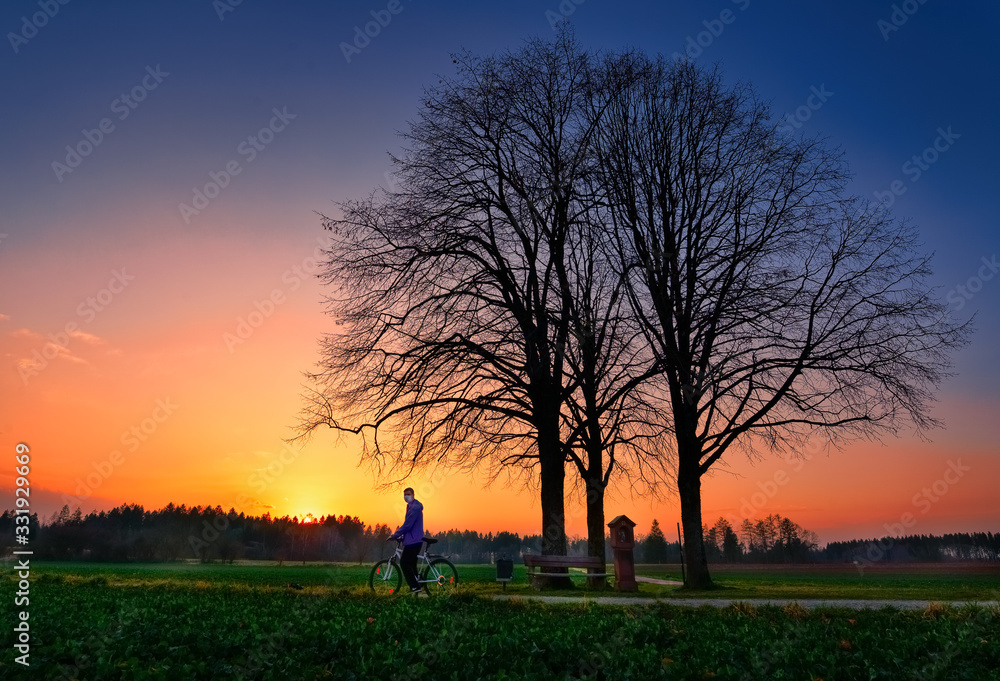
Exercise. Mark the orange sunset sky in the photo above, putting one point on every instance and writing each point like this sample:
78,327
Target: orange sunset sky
151,401
145,360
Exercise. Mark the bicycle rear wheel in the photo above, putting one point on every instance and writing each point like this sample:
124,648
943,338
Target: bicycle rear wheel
385,577
443,572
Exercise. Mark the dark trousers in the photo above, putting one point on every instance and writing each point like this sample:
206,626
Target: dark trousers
408,561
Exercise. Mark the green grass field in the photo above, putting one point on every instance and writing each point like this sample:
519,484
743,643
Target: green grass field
192,621
909,582
939,581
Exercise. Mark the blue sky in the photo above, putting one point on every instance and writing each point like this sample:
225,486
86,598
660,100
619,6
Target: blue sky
895,79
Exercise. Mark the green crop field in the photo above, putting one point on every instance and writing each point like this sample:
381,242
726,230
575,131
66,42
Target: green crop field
190,621
934,581
918,582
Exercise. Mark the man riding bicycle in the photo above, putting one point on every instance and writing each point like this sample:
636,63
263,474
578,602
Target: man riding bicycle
411,532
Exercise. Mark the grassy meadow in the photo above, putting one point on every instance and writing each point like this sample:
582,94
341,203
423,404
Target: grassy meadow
195,621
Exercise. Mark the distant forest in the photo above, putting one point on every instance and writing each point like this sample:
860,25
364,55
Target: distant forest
131,533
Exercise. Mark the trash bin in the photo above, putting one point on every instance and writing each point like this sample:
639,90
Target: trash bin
505,571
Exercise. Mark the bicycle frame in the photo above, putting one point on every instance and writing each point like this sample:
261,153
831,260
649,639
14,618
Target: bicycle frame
394,560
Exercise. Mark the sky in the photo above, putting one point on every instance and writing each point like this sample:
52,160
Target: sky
162,168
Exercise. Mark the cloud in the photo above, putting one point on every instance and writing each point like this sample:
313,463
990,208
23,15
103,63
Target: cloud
4,317
70,357
257,454
86,337
46,501
61,353
61,341
255,503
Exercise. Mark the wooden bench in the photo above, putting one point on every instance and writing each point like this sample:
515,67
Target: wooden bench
591,563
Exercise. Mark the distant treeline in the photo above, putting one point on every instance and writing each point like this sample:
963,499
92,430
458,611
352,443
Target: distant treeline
131,533
917,547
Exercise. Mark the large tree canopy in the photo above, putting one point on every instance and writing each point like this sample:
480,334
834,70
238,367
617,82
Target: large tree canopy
482,325
598,259
778,306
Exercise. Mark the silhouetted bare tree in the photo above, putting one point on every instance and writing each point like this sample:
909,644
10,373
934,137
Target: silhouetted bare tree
481,327
609,417
483,301
778,306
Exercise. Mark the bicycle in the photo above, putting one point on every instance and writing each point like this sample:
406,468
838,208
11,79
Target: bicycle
387,574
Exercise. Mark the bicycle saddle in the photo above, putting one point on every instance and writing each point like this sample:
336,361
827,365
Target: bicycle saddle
430,541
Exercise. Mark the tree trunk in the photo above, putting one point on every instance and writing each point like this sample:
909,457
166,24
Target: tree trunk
595,523
593,476
689,487
553,476
553,511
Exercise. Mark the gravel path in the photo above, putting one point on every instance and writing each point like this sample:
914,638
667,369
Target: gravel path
854,604
652,580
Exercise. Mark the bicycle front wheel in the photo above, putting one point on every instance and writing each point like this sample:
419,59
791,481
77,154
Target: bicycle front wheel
385,577
440,576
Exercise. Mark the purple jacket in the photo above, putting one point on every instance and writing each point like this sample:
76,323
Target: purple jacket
412,529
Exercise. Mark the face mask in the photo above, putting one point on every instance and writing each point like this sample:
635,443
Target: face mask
408,498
